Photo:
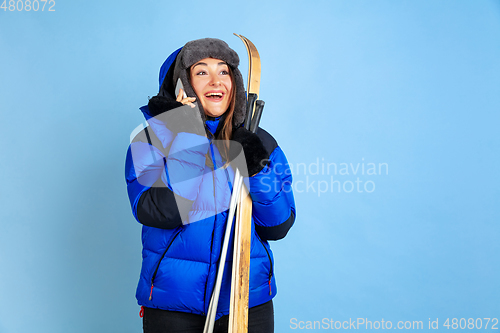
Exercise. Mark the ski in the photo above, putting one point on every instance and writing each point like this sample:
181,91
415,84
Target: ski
238,308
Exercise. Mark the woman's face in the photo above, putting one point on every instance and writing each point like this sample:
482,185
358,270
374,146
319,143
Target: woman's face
212,84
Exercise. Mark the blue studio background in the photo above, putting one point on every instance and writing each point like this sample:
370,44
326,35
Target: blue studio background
388,112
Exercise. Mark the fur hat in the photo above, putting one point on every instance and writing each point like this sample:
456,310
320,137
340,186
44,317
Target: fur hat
199,49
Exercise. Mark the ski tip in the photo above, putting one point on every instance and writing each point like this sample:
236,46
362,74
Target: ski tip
243,38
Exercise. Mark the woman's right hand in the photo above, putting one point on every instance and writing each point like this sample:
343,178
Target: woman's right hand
185,100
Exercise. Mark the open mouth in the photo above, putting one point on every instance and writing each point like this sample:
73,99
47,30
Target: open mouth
215,96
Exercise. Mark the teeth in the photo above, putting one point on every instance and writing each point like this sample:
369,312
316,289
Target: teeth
214,94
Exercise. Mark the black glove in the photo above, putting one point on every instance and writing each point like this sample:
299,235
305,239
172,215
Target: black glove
179,118
256,155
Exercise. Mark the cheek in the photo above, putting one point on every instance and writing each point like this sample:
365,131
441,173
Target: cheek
197,82
197,86
229,85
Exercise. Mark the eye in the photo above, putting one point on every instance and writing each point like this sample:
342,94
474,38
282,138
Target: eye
224,72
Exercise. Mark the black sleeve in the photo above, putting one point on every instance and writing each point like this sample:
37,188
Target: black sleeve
276,232
159,207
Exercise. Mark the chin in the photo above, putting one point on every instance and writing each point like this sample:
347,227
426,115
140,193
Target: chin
214,113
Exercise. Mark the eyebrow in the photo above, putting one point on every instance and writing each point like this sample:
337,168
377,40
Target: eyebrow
204,64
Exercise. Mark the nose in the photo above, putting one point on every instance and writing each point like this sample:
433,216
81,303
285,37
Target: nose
215,80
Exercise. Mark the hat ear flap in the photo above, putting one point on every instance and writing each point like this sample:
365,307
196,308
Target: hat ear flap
240,108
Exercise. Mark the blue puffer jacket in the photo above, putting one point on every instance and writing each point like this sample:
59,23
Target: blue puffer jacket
184,219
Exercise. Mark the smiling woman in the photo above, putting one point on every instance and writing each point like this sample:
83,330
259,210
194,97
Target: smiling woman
179,181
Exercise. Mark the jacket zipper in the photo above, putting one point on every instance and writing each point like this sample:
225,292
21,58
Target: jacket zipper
159,262
270,263
214,167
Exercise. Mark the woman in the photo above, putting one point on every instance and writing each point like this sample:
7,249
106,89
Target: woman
179,182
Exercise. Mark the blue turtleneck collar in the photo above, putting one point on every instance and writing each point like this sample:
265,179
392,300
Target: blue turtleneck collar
212,124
